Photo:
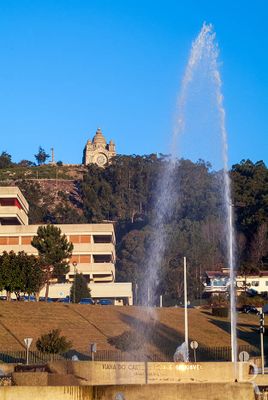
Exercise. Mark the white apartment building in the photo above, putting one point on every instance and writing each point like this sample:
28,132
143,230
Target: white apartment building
93,254
216,282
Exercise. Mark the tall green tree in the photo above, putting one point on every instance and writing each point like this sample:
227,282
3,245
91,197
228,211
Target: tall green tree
54,251
41,156
31,272
10,277
79,289
5,160
20,274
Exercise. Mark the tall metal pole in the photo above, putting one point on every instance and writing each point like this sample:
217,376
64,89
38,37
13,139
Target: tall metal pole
75,272
232,285
262,354
262,330
185,309
27,355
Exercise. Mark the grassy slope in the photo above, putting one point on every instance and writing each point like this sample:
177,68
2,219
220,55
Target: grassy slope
86,324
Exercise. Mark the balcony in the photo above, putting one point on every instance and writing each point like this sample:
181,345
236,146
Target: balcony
215,289
13,213
98,272
93,268
94,248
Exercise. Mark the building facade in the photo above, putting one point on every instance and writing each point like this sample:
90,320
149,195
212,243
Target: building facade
14,208
93,253
98,151
216,282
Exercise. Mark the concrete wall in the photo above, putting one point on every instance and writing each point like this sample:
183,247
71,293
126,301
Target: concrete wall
190,391
46,393
30,378
123,373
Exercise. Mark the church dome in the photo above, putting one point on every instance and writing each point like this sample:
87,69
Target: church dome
99,138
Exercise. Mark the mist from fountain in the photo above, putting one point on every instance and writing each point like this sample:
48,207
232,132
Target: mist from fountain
204,50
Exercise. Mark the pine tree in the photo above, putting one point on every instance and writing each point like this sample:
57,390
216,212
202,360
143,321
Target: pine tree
54,250
79,289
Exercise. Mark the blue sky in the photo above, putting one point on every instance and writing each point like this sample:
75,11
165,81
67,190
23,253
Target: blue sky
68,67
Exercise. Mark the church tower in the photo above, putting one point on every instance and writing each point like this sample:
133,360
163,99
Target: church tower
98,151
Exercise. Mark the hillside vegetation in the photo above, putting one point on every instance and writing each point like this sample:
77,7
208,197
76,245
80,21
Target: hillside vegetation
126,192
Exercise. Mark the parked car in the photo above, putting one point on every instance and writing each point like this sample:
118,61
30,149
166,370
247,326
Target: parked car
29,298
87,300
250,310
49,300
251,292
105,302
265,308
64,300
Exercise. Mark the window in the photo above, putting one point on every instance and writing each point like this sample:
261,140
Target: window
102,258
13,240
266,283
3,240
81,259
102,238
26,239
80,239
85,259
255,283
85,239
10,203
9,240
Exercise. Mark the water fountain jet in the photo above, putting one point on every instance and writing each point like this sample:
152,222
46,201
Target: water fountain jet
203,48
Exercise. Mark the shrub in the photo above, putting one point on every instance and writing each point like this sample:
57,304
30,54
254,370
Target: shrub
220,312
53,343
127,341
220,300
256,301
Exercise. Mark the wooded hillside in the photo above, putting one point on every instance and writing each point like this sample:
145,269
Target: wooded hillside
126,191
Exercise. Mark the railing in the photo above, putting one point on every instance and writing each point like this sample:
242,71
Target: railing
202,354
35,357
209,289
222,353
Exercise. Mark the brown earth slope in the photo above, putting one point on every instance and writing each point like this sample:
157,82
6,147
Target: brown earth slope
84,324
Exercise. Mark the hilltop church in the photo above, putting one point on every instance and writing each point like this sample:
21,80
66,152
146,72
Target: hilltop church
98,151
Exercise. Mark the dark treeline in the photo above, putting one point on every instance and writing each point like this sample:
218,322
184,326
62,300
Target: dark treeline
125,192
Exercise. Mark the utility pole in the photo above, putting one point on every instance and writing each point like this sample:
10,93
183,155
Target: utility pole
185,309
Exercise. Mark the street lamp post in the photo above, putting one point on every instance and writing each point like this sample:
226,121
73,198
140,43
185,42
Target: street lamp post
75,272
185,310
